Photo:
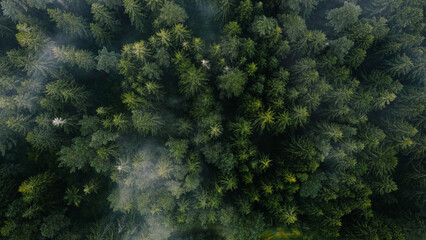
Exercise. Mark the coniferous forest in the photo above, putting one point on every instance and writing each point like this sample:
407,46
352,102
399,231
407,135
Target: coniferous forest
212,119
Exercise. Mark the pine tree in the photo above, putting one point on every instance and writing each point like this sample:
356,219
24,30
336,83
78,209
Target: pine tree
265,120
34,187
77,155
163,38
192,81
316,42
67,91
356,57
107,61
264,27
409,19
294,27
299,116
101,35
180,33
135,11
330,131
300,7
72,25
19,123
105,17
43,139
14,9
232,29
400,65
112,4
147,123
30,37
53,224
73,196
245,11
39,4
232,83
223,8
386,185
68,54
342,18
177,149
171,14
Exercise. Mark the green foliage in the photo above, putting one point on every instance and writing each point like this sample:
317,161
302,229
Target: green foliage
232,29
68,54
14,9
147,123
340,48
408,19
312,186
33,188
265,120
72,25
101,138
134,9
303,154
400,65
300,116
107,61
105,17
192,81
264,27
77,155
110,3
30,37
223,9
39,4
73,196
245,11
232,83
67,91
53,224
342,18
171,14
212,119
19,124
294,26
101,35
43,139
177,149
299,7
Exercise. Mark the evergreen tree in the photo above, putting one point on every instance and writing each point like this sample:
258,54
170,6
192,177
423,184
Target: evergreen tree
68,54
171,14
342,18
192,81
135,11
107,61
104,17
232,83
72,25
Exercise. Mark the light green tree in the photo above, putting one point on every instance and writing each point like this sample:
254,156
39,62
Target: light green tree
71,24
232,83
192,81
134,9
107,61
171,14
147,123
342,18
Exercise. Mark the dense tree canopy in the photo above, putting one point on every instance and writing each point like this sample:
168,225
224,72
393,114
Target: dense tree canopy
214,119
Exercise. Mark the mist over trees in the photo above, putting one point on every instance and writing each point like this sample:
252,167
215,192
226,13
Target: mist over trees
215,119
